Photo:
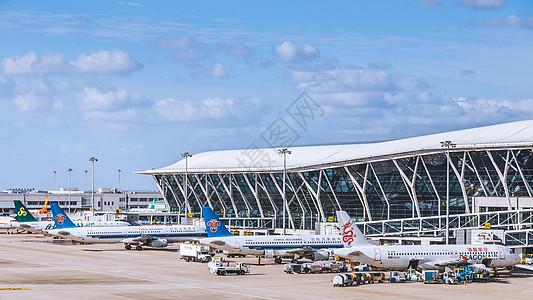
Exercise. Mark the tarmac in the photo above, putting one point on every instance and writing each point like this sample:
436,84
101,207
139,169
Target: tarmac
36,267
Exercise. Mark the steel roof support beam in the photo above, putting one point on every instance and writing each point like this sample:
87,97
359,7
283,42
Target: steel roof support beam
314,196
461,180
361,192
254,192
481,182
528,187
410,186
187,207
263,186
165,180
381,189
280,190
502,176
332,189
229,192
204,189
215,189
299,201
246,203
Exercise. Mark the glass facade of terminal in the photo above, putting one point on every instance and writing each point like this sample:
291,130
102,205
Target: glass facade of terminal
383,189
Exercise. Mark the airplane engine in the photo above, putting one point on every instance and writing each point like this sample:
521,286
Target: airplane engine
158,243
480,268
318,255
269,253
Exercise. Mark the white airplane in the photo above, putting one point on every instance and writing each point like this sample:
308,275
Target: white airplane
314,247
431,257
26,221
152,235
7,222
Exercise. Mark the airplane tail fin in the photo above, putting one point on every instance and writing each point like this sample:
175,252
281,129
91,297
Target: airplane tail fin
23,215
351,235
213,225
61,219
45,207
153,204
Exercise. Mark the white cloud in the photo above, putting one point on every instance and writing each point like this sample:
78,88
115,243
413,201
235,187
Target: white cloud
511,21
114,62
93,99
28,102
290,52
350,79
30,63
213,108
482,4
220,71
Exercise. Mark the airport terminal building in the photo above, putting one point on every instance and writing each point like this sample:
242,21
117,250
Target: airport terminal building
469,179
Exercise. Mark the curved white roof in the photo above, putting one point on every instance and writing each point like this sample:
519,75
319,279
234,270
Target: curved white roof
516,134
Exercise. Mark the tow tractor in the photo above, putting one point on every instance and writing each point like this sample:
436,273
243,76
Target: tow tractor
220,267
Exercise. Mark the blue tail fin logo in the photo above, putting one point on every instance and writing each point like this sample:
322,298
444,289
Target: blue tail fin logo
60,218
214,226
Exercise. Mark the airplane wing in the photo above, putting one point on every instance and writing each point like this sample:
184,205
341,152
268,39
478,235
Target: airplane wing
524,267
63,232
452,262
139,239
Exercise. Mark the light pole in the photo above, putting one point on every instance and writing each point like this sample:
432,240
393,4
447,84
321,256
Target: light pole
92,159
85,178
186,155
447,144
119,179
284,151
55,186
69,171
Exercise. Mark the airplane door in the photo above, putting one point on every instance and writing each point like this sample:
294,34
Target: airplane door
377,254
501,253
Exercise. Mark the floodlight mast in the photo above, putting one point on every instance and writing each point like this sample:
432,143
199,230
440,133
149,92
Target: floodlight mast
92,159
186,155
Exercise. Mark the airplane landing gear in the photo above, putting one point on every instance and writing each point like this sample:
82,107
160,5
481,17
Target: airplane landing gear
128,247
138,248
277,260
294,261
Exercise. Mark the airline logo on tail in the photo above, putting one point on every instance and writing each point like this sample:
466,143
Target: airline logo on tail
213,225
60,218
348,235
22,212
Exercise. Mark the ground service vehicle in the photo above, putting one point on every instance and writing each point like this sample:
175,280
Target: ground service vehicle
219,267
449,278
343,280
376,276
194,252
412,275
430,276
311,268
396,276
292,268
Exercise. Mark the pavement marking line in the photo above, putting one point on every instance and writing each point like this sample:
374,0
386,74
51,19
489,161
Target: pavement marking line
140,278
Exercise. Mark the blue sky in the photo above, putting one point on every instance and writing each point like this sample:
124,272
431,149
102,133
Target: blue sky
137,83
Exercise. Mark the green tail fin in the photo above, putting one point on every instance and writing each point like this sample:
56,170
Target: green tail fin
23,215
153,204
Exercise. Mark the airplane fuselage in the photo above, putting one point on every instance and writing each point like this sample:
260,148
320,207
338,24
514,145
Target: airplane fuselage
400,257
259,245
110,235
